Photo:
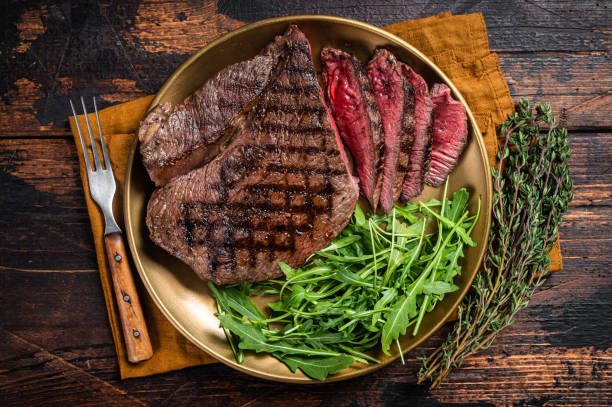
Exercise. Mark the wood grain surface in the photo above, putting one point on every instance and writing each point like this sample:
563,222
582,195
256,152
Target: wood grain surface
55,344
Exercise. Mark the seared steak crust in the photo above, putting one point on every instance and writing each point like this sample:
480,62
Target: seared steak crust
419,153
280,191
395,99
177,139
449,134
354,106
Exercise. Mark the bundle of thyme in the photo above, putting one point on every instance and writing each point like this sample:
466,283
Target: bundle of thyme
532,189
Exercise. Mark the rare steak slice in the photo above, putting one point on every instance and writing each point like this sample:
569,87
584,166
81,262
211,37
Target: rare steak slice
354,106
419,154
176,139
279,192
395,98
449,134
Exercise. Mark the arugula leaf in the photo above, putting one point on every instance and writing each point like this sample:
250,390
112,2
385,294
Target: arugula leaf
397,320
351,278
319,338
340,243
296,297
246,332
458,204
460,230
360,219
317,367
222,307
241,303
438,287
286,269
388,295
347,259
253,338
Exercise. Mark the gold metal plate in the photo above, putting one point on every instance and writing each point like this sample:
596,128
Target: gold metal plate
176,289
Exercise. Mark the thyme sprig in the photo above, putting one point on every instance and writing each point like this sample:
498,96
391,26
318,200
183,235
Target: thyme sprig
532,189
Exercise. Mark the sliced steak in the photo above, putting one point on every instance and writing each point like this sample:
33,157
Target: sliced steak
176,139
354,106
449,134
279,192
395,98
419,154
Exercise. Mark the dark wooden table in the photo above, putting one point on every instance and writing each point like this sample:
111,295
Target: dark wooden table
55,344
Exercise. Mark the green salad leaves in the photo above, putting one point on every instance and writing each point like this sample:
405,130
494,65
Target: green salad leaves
377,279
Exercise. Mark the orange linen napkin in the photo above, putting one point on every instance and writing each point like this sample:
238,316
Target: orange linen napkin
457,44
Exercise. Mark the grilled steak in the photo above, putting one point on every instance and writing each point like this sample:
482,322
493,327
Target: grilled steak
280,191
419,154
354,106
449,134
177,139
395,99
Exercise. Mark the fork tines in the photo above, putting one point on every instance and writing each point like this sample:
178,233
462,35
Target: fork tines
94,148
101,180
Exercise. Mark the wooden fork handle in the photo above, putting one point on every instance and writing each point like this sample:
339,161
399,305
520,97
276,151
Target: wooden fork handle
135,332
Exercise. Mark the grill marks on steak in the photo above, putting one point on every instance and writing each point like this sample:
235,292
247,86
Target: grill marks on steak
419,154
449,134
395,99
280,191
175,140
354,106
273,182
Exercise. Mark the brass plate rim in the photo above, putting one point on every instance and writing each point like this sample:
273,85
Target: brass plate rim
129,231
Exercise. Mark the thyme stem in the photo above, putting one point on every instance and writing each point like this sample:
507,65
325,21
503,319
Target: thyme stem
527,211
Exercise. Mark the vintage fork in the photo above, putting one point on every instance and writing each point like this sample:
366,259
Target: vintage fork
102,189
